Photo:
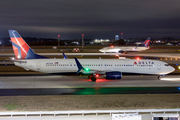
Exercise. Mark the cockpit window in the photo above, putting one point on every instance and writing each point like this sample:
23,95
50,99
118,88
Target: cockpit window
166,64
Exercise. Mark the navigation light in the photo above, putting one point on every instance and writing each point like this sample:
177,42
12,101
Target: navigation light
86,69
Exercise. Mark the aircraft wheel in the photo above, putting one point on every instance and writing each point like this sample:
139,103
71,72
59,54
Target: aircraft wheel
93,79
159,77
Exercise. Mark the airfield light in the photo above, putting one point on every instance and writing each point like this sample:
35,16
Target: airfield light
12,58
179,67
137,58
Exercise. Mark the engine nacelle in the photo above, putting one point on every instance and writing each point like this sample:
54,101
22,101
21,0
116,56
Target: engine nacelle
113,75
120,51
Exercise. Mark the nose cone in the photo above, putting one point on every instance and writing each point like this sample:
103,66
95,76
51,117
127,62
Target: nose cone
171,69
101,50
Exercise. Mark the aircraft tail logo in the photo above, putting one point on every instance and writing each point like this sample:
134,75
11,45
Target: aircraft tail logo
21,49
147,42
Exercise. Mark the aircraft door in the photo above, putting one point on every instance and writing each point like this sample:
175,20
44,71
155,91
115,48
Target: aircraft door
159,66
38,65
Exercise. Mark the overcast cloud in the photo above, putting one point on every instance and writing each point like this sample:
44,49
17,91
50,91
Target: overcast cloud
94,18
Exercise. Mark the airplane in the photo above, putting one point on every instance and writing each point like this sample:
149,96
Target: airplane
127,49
94,68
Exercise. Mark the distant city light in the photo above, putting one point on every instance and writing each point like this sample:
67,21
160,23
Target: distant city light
116,37
101,40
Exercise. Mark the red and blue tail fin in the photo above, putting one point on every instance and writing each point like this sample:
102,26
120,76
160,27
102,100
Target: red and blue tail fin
147,42
21,49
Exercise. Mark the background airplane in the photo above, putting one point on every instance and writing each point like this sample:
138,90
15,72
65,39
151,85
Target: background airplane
108,68
127,49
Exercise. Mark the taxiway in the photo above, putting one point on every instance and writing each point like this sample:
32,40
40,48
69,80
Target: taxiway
56,81
163,55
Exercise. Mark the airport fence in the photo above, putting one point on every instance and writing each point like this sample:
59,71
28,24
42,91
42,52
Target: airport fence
88,112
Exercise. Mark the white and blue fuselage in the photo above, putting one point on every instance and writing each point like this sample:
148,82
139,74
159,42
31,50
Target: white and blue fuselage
142,66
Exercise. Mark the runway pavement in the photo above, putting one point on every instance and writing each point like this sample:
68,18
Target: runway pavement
75,85
56,81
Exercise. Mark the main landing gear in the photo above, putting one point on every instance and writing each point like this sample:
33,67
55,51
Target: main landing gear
92,77
159,77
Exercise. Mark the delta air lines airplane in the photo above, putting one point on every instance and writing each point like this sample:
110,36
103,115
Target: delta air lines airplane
109,68
127,49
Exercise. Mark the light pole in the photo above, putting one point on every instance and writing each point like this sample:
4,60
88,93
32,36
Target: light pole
58,40
82,41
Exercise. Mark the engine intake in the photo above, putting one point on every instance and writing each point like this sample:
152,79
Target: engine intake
120,51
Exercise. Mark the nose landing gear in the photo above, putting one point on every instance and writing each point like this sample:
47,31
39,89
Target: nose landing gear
159,77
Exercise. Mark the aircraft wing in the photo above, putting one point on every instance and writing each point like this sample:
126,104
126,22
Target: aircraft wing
86,70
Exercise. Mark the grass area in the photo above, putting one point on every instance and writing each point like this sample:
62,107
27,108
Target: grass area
89,102
13,105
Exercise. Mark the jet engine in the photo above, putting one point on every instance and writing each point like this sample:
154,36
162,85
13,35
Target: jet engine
113,75
120,51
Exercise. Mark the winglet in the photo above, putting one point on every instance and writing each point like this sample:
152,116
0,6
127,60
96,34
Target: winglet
65,57
80,67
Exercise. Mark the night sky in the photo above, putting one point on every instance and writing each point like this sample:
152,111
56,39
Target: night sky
94,18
